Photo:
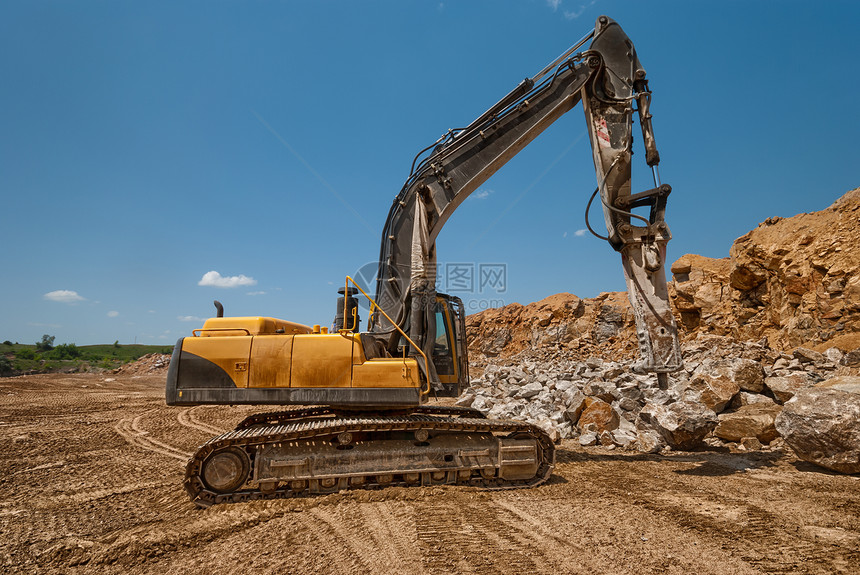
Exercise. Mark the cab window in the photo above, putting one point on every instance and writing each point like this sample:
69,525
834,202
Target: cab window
442,357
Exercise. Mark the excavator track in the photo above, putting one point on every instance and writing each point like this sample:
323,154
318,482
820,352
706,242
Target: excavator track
316,454
287,415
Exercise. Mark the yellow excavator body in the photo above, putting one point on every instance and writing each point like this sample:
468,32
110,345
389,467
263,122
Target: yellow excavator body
278,358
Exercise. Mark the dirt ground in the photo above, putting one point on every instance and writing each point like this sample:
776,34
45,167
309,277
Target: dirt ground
90,482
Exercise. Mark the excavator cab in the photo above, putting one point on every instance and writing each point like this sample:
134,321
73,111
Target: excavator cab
449,348
449,352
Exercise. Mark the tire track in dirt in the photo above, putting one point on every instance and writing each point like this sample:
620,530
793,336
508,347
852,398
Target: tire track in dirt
186,419
764,533
394,536
758,539
349,554
553,549
468,539
771,542
96,494
130,430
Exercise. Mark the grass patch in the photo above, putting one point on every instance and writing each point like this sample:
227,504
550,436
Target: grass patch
17,358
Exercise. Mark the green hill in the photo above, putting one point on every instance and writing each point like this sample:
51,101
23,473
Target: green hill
16,359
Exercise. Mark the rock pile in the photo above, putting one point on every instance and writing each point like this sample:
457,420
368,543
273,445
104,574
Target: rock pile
149,363
760,328
728,392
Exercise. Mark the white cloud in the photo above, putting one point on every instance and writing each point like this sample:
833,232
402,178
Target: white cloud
215,279
574,14
481,194
564,235
112,313
579,233
151,311
554,4
63,296
189,318
256,293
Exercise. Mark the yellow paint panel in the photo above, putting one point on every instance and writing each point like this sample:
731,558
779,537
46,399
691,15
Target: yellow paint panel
385,372
322,360
229,353
271,356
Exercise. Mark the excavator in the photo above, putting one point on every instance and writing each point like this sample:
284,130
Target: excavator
356,410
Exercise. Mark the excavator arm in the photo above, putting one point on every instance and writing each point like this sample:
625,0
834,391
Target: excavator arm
608,79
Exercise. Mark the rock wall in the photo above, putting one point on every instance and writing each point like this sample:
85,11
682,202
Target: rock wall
586,327
795,281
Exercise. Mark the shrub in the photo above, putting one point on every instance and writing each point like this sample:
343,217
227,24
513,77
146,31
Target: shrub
7,342
5,365
25,354
65,351
46,344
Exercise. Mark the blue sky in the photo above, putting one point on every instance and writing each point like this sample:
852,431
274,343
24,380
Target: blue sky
155,156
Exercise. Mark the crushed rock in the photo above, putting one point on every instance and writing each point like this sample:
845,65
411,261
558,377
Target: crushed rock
777,317
149,363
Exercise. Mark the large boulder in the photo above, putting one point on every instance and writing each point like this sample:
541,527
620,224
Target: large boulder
843,383
575,403
784,388
746,398
600,414
753,420
715,389
682,424
808,355
648,440
748,374
822,425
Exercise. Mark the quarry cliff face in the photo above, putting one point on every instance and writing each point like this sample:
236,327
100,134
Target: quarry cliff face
794,281
590,327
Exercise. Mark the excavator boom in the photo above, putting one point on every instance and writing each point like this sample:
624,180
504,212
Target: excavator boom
608,79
